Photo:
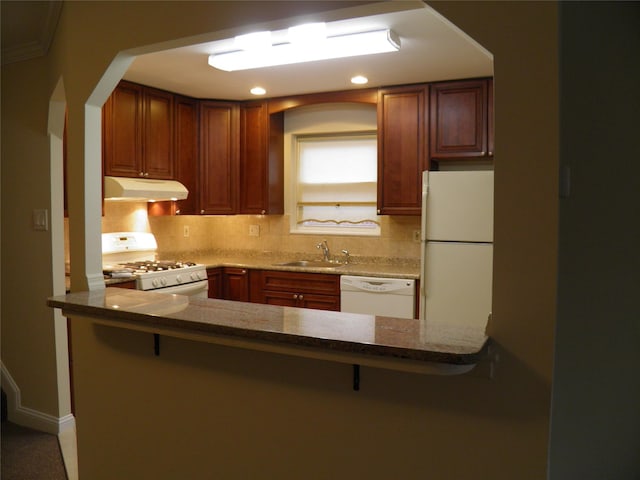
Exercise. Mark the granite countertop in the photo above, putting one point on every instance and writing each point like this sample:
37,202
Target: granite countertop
363,266
365,339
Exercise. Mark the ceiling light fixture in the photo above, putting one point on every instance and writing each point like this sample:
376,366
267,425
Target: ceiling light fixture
341,46
258,91
253,41
359,80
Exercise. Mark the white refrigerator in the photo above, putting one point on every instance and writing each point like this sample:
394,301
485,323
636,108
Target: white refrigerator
457,247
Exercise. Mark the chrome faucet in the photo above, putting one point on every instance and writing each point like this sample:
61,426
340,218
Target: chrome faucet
325,250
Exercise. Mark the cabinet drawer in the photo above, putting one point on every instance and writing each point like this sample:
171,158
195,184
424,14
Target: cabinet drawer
325,284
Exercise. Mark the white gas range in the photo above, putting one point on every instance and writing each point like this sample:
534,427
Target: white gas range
134,254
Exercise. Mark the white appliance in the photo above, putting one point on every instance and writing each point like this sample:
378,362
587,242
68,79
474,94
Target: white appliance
133,254
389,297
457,247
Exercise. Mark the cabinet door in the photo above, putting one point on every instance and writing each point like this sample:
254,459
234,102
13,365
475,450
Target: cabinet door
402,149
122,131
319,302
157,140
261,160
236,284
303,290
315,283
284,299
459,120
218,157
214,277
186,152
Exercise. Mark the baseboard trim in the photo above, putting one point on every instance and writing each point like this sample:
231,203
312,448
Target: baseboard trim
28,417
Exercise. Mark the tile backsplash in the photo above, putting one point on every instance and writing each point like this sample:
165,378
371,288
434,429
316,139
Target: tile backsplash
215,233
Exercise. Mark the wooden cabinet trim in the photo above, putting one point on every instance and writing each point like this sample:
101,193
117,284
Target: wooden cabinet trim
279,104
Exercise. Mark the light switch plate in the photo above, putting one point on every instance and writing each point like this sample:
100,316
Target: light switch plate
254,230
41,219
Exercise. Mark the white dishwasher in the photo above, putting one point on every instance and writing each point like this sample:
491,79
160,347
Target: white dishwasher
388,297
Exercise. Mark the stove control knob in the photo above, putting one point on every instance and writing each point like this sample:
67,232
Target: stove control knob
163,281
178,279
194,276
155,282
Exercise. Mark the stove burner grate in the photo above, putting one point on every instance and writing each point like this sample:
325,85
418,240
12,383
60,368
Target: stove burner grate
143,267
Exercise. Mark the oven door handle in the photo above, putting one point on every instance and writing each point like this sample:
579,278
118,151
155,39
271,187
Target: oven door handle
199,289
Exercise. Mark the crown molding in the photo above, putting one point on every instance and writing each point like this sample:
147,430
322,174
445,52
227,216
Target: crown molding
37,47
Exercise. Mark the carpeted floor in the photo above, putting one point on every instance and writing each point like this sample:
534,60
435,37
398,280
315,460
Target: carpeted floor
30,455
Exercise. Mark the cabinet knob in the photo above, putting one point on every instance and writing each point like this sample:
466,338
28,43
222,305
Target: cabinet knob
146,174
141,174
201,212
483,153
178,212
243,271
263,212
295,296
490,153
378,211
300,297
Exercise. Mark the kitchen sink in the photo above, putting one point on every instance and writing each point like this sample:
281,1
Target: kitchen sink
309,264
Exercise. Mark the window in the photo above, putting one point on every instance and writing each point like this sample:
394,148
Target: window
336,187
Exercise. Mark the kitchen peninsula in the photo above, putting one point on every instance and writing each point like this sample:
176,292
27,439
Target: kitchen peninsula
397,344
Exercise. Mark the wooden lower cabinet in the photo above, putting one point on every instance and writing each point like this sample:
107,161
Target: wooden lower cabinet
302,300
287,289
304,290
235,284
128,284
214,277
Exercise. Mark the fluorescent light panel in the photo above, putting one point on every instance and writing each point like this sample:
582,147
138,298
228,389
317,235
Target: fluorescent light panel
351,45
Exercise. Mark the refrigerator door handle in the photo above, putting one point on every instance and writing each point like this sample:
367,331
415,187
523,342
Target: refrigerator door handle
425,193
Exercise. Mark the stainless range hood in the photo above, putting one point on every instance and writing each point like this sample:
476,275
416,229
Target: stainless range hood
124,188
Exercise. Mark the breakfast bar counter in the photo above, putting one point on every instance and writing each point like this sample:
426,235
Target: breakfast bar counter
376,341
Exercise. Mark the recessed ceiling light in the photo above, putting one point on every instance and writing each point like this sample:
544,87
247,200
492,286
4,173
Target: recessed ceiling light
359,80
258,91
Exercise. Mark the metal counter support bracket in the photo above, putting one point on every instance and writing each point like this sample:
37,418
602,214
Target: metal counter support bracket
156,344
356,377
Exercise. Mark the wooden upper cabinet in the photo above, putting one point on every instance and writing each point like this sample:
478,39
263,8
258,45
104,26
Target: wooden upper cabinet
138,132
261,185
157,139
122,131
186,152
490,115
219,124
460,118
402,148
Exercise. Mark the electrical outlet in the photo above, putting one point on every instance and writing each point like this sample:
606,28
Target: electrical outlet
416,235
185,230
254,230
